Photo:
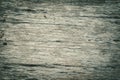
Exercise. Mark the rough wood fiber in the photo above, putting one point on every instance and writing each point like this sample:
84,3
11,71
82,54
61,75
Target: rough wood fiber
59,40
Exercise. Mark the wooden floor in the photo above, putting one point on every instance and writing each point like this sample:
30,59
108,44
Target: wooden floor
60,41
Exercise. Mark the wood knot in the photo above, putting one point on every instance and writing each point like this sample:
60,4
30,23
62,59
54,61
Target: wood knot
5,43
45,16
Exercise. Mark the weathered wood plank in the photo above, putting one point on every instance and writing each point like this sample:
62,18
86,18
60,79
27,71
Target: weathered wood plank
60,41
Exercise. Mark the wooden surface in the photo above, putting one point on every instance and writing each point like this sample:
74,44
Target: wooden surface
60,41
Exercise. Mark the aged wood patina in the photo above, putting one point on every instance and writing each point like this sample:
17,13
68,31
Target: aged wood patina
59,39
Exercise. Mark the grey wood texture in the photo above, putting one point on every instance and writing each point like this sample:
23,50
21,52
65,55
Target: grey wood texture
54,40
